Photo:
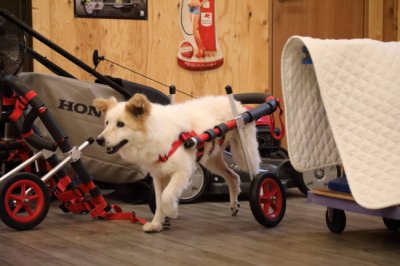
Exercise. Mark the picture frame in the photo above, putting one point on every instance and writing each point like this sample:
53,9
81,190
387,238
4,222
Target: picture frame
113,9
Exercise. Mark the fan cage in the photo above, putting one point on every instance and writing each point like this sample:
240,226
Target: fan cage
12,48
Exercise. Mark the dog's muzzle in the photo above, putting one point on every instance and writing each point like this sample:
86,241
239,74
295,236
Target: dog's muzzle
114,149
101,141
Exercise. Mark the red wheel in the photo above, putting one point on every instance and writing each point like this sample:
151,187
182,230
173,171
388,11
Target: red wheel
24,201
267,199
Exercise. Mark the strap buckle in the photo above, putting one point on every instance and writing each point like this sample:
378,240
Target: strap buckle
184,136
272,129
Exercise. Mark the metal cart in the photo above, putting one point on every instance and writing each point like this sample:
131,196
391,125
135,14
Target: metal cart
338,202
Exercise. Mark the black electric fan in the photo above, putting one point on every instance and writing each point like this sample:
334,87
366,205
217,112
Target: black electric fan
12,48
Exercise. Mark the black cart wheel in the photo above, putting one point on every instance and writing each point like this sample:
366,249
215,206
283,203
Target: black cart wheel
152,199
267,199
335,220
24,201
197,186
391,224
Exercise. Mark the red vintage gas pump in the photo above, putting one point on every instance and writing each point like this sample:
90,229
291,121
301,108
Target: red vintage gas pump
199,50
207,25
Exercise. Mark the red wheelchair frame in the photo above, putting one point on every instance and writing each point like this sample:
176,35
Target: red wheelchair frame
24,196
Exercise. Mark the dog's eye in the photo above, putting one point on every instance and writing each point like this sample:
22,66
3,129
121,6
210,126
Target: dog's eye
120,124
106,122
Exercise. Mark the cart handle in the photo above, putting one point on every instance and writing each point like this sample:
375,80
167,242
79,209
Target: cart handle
251,98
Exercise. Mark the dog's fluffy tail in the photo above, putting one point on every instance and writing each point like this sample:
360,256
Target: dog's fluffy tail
251,144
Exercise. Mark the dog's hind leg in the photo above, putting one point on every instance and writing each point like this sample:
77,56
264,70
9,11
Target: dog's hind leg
172,192
156,224
217,165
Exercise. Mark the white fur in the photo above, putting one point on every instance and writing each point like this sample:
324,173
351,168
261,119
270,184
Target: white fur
162,128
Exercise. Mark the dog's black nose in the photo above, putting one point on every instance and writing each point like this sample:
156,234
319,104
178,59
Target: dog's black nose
101,141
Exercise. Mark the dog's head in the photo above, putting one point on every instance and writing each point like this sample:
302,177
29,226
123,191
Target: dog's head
124,121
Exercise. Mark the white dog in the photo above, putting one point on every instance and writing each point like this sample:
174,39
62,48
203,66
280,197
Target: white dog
144,133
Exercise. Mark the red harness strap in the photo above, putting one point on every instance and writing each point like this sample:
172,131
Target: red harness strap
119,215
20,105
182,138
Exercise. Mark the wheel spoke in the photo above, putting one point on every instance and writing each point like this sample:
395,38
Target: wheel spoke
15,197
32,197
264,199
274,192
18,207
266,192
23,190
28,209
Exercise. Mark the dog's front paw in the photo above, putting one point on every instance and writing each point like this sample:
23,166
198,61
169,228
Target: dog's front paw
152,227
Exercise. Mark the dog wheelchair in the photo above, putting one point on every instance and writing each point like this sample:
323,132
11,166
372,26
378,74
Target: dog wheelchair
267,197
24,196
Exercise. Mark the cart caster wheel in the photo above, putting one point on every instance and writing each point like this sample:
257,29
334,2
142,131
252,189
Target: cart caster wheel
21,211
267,199
391,224
335,220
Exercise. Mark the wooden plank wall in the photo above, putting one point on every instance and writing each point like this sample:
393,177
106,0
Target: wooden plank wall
383,20
150,47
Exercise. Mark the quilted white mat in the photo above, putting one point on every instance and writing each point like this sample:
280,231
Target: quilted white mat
345,108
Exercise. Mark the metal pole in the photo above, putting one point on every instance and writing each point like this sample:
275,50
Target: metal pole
72,157
65,161
172,94
239,124
6,132
21,166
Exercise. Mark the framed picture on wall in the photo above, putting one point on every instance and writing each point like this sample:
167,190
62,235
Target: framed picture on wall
118,9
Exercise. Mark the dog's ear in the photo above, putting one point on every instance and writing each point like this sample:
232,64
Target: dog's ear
138,105
104,104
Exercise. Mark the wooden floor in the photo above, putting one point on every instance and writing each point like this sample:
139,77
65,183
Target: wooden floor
205,234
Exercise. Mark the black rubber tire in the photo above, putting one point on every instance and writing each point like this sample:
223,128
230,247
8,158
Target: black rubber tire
276,202
391,224
304,188
42,204
335,220
198,193
152,199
